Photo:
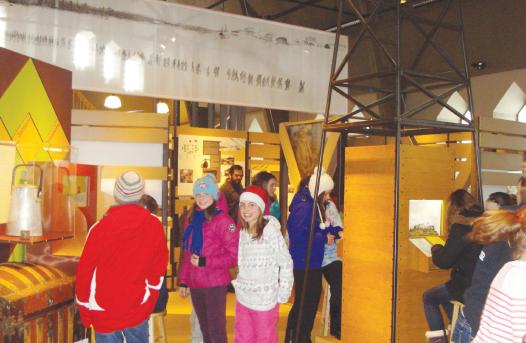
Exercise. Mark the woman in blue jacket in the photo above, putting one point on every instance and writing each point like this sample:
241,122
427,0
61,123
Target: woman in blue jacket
298,225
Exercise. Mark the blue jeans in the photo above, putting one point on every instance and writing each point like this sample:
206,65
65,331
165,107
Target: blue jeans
462,331
433,298
137,334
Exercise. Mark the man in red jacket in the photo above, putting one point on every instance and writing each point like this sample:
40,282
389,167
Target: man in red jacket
122,267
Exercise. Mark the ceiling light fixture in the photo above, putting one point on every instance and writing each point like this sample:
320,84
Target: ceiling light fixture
162,107
478,65
112,102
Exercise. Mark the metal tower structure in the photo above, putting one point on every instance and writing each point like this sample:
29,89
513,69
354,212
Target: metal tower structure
417,60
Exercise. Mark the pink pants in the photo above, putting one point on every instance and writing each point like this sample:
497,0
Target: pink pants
255,326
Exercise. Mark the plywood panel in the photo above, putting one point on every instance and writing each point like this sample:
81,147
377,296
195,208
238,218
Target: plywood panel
368,255
148,173
461,150
502,126
199,131
137,135
499,179
267,137
265,150
425,173
452,137
499,141
119,119
432,182
501,161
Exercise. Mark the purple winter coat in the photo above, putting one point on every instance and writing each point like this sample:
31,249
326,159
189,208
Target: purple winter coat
220,244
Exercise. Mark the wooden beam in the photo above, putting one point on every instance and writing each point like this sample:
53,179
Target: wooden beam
265,151
502,126
267,137
114,134
501,161
199,131
499,179
148,173
119,119
500,141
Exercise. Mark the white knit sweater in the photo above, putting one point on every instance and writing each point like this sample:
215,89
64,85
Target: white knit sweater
265,269
504,317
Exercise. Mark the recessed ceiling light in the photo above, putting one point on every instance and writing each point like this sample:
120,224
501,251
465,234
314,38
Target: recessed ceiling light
162,46
173,39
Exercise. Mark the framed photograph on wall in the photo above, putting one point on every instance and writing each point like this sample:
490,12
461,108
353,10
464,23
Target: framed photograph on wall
300,142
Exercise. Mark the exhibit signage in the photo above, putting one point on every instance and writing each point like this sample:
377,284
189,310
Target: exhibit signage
167,50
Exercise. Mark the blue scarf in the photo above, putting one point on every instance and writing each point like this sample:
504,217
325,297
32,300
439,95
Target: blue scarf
195,230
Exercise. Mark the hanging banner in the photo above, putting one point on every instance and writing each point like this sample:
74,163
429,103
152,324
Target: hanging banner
166,50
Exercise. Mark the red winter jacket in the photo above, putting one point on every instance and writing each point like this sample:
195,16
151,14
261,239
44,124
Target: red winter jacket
121,269
220,244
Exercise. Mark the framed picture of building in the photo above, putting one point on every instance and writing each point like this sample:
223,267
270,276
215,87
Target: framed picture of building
300,142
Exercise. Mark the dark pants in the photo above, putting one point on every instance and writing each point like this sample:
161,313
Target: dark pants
433,298
310,305
333,274
210,307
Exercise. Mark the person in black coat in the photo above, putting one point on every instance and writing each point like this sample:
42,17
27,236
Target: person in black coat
459,254
487,230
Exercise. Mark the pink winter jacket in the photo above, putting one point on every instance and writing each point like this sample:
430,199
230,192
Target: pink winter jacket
220,244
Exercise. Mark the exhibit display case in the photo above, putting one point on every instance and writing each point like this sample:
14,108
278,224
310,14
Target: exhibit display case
39,191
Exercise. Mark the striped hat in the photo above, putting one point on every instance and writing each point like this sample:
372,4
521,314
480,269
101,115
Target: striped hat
129,187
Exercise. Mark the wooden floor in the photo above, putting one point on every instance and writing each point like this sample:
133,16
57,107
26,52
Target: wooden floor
178,319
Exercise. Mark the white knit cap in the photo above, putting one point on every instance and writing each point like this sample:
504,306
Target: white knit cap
129,187
326,183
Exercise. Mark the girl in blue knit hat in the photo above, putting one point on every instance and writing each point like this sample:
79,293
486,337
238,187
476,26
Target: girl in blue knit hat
210,244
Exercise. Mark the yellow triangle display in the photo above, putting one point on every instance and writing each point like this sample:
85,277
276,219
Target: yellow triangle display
4,135
29,144
27,95
28,117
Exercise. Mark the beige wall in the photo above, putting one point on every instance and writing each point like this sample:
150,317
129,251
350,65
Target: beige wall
489,89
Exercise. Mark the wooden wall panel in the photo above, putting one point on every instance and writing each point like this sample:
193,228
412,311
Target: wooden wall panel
199,131
502,126
499,141
501,161
119,119
265,151
425,173
367,249
267,137
499,178
114,134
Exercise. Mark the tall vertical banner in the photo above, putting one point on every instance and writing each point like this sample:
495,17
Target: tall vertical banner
166,50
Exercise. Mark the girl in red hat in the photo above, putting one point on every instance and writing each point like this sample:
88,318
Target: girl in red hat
265,271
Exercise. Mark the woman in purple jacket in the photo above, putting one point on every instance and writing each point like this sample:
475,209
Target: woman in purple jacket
210,243
298,227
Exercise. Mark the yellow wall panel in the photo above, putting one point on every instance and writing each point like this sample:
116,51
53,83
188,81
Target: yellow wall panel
4,135
26,94
29,145
58,144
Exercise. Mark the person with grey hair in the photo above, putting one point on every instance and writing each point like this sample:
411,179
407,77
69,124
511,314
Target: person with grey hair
122,267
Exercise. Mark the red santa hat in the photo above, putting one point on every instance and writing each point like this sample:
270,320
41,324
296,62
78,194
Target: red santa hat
255,194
